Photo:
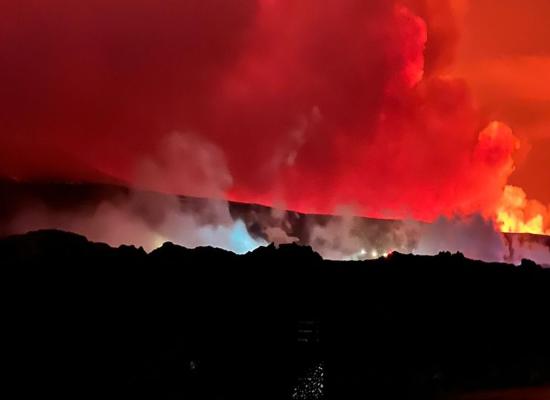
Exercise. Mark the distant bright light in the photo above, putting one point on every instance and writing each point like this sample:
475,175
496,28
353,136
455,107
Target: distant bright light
240,240
374,254
158,241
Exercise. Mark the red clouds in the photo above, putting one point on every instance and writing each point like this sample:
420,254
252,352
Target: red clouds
309,104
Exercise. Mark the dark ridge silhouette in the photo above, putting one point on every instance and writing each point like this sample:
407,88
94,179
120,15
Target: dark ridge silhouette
56,196
84,198
83,318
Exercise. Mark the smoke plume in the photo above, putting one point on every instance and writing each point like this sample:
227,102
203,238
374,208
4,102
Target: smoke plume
317,106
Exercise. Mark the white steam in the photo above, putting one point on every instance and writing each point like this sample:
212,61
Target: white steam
148,219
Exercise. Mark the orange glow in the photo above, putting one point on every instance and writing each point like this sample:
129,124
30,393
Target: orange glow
503,54
517,214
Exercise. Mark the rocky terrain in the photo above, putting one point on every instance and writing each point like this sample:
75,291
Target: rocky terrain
82,317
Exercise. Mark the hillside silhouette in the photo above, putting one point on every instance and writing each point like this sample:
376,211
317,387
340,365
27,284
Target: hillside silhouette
83,318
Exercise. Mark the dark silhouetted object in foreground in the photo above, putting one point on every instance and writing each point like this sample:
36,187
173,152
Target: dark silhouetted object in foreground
83,318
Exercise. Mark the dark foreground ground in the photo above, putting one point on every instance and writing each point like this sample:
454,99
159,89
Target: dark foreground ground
81,318
533,393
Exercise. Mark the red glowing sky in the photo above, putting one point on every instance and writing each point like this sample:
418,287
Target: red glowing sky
383,105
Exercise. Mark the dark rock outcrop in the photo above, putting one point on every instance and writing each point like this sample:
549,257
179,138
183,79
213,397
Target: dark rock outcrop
83,317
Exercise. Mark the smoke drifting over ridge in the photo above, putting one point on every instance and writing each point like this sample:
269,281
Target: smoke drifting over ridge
308,106
118,216
336,99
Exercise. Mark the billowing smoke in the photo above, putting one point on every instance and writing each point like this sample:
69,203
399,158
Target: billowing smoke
149,219
311,106
119,216
348,237
474,237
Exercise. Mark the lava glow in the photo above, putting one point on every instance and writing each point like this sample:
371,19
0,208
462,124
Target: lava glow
517,214
381,106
